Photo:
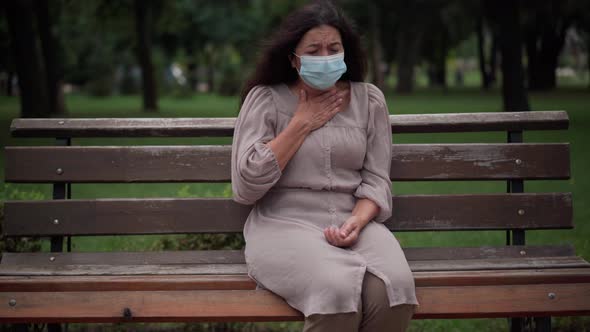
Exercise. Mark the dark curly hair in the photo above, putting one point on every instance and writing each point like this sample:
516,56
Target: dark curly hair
274,66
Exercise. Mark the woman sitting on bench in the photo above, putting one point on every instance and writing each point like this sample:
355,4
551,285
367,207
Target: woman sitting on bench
312,151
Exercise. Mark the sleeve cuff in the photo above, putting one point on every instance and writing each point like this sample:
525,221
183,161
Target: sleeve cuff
384,201
259,170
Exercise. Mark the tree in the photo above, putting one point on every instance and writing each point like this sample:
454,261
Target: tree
375,48
582,25
50,47
487,67
408,41
143,24
507,14
33,94
546,27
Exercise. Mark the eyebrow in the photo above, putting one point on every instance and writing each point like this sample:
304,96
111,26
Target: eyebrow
318,44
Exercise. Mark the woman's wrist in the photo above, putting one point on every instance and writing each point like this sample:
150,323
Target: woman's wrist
365,210
299,127
286,144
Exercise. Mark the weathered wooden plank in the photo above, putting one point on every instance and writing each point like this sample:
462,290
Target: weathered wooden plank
131,257
244,282
499,264
237,256
97,164
49,269
177,215
263,305
195,127
481,212
503,301
128,127
480,161
104,269
470,122
209,163
502,277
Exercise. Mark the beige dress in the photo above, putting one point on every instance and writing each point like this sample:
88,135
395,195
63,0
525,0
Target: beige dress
348,158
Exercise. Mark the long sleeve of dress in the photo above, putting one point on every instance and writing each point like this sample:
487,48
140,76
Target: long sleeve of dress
254,167
376,182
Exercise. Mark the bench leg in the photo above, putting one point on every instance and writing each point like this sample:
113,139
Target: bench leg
53,327
543,324
516,324
525,324
20,327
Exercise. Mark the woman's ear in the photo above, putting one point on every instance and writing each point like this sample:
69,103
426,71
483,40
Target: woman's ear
292,61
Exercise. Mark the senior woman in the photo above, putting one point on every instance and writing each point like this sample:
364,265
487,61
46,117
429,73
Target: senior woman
312,152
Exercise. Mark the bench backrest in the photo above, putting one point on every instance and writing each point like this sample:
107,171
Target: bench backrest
66,164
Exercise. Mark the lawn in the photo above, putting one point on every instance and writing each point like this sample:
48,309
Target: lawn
575,101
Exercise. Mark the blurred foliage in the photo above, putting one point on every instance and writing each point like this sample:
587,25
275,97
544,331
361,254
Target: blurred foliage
215,43
18,244
204,241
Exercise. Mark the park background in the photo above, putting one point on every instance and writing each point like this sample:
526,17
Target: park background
182,58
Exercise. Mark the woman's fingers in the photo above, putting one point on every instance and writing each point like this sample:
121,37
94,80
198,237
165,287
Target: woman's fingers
329,100
302,96
333,98
335,104
324,96
350,239
333,236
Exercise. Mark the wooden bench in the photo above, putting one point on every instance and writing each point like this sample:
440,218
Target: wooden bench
515,280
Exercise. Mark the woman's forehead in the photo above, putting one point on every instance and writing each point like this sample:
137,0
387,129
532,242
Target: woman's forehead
323,34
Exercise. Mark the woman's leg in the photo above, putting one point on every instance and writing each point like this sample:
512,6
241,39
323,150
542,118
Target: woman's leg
340,322
374,314
377,314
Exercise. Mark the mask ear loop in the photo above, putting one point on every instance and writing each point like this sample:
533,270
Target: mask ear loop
299,60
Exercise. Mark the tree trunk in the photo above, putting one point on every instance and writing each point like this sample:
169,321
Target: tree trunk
376,50
10,77
483,68
407,48
437,68
545,40
487,67
143,24
532,60
192,79
33,95
53,69
210,70
588,56
513,89
493,57
552,44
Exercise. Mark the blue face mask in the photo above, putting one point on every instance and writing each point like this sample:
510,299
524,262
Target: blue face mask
321,72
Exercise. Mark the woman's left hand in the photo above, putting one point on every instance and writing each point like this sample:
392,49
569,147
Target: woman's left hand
346,235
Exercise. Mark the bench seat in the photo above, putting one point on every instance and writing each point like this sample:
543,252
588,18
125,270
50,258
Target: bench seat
468,282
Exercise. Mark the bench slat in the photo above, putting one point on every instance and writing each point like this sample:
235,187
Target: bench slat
480,161
49,269
177,215
237,256
209,163
223,127
263,305
244,282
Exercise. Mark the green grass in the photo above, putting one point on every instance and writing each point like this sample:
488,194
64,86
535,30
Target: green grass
575,101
